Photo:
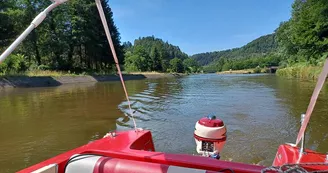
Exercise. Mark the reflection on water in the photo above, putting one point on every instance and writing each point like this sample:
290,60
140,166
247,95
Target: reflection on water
260,111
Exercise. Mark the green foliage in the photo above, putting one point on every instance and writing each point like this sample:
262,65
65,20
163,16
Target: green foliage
304,38
176,65
190,66
258,47
71,38
153,54
155,61
224,64
257,70
13,64
300,71
7,31
127,46
136,61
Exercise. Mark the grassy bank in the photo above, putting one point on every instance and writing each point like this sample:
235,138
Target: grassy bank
300,71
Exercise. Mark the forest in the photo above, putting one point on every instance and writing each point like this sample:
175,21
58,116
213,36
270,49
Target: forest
153,54
258,47
296,44
259,52
71,38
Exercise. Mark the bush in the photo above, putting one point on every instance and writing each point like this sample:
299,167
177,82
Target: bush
14,64
44,67
257,70
300,71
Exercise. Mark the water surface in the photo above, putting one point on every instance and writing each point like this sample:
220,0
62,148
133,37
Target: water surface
260,111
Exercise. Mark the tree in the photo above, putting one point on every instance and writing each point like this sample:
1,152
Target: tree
136,60
176,65
305,35
156,52
70,38
155,60
7,31
127,46
259,47
190,65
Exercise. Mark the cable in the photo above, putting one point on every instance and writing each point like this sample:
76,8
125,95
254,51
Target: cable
110,41
316,92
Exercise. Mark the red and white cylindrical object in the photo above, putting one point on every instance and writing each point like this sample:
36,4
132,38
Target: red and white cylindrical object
210,136
99,164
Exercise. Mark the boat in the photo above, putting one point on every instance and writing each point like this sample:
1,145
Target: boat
133,150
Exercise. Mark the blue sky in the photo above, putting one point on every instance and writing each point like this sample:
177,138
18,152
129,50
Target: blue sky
198,26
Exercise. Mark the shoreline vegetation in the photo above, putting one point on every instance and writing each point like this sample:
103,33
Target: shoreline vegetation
60,78
66,45
245,71
302,72
298,46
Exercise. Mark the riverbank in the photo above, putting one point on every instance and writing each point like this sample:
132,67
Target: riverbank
245,71
302,72
50,81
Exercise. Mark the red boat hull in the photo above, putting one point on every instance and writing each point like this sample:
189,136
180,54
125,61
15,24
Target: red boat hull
137,148
131,151
288,154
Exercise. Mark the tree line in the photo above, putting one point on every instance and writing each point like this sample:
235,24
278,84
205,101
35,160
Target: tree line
301,39
153,54
71,38
256,48
225,64
304,37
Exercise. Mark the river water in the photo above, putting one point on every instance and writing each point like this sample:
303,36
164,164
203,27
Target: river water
260,111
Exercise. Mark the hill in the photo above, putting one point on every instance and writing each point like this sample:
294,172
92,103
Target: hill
256,48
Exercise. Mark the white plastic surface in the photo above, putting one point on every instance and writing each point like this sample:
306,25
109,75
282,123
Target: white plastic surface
210,132
53,168
82,164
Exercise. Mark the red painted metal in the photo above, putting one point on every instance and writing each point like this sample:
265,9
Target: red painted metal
211,140
211,122
113,165
288,154
130,147
106,164
138,146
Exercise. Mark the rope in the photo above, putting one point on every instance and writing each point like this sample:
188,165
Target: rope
297,168
111,44
316,92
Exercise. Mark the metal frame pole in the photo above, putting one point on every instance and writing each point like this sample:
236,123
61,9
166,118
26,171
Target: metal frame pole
35,23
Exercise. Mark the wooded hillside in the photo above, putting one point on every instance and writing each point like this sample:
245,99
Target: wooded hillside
258,47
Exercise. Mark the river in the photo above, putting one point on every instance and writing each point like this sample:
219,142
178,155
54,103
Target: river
260,111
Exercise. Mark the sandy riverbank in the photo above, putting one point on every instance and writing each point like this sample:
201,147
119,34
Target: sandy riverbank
48,81
247,71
